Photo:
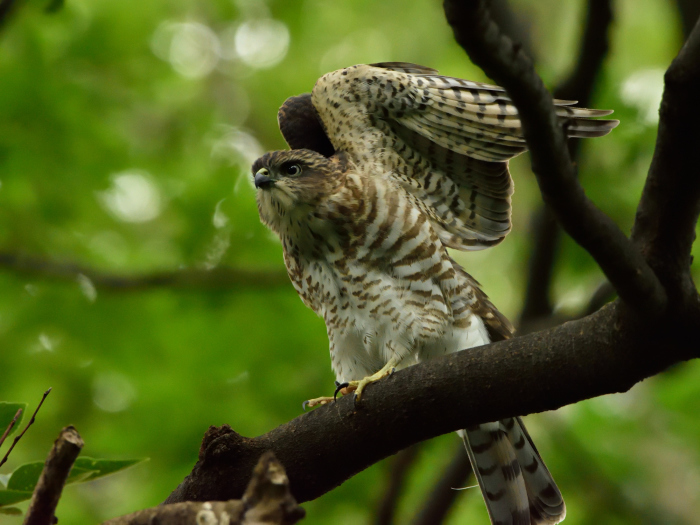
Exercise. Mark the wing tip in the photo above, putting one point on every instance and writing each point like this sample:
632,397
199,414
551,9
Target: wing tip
406,67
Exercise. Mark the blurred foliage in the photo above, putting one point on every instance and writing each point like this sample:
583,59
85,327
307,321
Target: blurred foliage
24,479
126,133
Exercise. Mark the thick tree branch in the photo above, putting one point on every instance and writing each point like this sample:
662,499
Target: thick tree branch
668,211
577,86
604,353
218,278
624,266
689,11
512,24
50,485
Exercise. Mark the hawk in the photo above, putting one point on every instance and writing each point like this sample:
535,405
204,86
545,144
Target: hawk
391,164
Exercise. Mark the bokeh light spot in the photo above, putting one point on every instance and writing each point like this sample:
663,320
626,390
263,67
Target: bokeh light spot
643,90
259,44
133,197
113,392
192,49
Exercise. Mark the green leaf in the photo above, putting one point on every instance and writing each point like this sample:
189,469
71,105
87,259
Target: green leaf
7,412
103,467
25,477
10,511
9,497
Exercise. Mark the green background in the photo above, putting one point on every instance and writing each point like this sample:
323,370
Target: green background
127,129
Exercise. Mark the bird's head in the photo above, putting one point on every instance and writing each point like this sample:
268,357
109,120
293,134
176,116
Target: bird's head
290,184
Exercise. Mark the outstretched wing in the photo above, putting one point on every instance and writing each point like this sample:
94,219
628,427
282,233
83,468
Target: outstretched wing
446,140
301,126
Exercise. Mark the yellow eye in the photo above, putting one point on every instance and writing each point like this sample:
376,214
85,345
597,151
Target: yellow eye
293,169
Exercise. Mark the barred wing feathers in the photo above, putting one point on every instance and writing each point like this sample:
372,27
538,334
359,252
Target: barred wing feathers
445,140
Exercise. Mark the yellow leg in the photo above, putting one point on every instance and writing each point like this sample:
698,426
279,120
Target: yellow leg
359,386
353,386
316,402
319,401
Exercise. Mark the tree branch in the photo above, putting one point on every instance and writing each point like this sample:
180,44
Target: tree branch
53,477
218,278
604,353
439,502
6,8
624,266
267,501
400,466
594,48
664,228
578,86
689,11
10,427
29,424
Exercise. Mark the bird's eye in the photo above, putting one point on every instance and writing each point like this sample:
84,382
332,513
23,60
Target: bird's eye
293,169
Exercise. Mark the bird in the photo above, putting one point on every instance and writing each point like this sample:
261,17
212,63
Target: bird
390,164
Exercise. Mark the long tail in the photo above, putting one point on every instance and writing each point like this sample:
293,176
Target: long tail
516,485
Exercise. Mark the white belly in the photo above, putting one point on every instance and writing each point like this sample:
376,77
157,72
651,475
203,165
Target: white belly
368,340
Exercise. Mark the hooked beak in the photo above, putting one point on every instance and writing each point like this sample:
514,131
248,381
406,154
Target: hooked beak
262,179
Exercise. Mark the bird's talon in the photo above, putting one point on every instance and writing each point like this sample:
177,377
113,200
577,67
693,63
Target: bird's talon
338,387
304,405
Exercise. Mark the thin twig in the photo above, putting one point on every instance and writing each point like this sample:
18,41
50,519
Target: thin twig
443,495
217,278
400,467
31,421
6,8
50,485
601,296
10,427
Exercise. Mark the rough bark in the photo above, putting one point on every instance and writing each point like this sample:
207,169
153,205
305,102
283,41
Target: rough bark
266,501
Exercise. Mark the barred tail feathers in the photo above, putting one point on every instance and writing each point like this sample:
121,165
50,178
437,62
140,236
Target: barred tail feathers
516,485
546,502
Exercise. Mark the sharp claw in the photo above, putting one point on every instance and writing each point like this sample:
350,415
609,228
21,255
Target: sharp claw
305,404
392,371
354,399
338,387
